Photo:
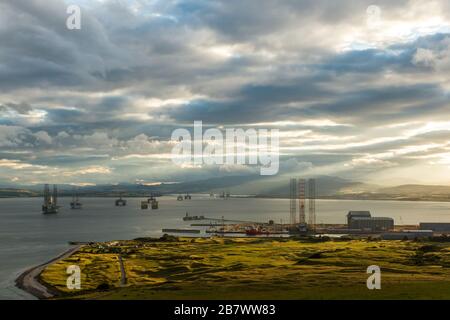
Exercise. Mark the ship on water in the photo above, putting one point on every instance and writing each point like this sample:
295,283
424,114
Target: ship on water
187,217
155,204
144,205
224,195
256,231
121,202
75,204
152,201
151,198
50,205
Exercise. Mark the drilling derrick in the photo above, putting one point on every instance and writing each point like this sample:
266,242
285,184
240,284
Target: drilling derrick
312,203
293,196
301,201
55,195
50,204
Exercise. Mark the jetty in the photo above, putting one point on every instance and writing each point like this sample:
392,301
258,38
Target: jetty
181,230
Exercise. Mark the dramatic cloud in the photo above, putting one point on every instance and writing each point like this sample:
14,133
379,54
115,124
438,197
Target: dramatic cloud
357,89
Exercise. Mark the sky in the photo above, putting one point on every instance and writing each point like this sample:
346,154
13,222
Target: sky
357,89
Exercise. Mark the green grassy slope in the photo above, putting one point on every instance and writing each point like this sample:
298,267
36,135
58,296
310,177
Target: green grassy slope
257,269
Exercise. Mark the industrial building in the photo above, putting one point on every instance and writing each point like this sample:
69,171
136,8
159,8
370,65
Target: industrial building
357,214
364,221
443,227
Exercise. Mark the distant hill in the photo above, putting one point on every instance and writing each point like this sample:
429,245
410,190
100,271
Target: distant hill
279,187
416,189
14,193
416,192
255,186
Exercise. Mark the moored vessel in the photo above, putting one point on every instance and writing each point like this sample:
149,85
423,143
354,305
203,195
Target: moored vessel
75,204
121,202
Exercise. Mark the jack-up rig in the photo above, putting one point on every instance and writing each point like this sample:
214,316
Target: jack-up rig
75,204
301,191
50,205
121,202
152,201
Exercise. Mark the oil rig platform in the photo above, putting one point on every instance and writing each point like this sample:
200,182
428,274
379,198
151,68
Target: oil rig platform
50,205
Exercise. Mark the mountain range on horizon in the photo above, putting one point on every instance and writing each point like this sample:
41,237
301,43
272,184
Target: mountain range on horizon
255,186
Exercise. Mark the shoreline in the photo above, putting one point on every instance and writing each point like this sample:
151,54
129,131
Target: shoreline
341,198
28,280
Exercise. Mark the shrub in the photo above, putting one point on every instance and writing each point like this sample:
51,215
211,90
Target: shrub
103,287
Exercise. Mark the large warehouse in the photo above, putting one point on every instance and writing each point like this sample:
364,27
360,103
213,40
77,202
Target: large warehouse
363,220
357,214
435,226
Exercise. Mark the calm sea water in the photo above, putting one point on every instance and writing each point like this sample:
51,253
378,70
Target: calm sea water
29,238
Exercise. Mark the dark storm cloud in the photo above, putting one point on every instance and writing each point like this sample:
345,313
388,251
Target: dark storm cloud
22,108
371,60
385,103
268,103
70,160
134,74
38,49
114,48
253,19
64,116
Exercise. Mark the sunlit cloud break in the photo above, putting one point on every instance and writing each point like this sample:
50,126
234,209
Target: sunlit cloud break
359,91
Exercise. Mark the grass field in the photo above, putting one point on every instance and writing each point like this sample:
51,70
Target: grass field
256,268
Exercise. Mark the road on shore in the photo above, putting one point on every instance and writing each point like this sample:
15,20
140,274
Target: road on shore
29,280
